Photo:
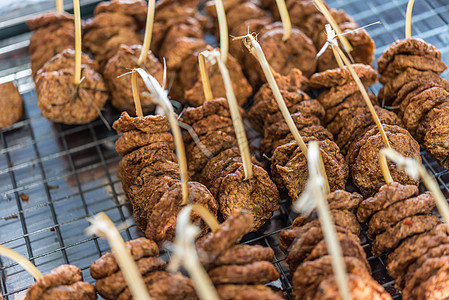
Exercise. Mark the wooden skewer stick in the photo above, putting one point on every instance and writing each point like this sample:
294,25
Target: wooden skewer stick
184,253
160,95
254,48
214,56
77,73
136,97
207,216
313,196
338,58
344,41
416,170
22,261
102,226
223,27
205,77
143,55
384,168
408,19
148,32
285,17
59,6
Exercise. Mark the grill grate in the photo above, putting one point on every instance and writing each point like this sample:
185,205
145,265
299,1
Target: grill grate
70,172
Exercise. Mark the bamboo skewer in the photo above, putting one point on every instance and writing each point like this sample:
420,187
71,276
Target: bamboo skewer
143,55
185,255
22,261
214,57
408,19
136,97
59,6
207,216
77,15
223,28
285,17
205,77
102,226
313,196
148,32
416,170
161,97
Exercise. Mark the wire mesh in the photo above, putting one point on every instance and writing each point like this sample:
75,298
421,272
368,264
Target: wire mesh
52,177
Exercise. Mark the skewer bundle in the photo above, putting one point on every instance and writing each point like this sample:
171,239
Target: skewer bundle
63,282
415,241
114,23
111,284
238,271
181,46
306,17
77,92
223,172
410,71
288,164
350,121
150,177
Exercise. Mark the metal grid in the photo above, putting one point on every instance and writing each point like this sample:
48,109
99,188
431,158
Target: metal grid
69,172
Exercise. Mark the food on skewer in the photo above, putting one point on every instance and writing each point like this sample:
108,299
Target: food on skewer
65,102
291,87
350,121
177,16
150,176
194,94
64,282
181,46
114,23
223,172
111,284
288,164
53,32
128,57
327,258
414,239
410,71
342,205
308,19
238,271
11,103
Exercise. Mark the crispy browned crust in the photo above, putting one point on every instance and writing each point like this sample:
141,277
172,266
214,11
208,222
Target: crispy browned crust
422,204
389,239
247,292
411,46
308,275
107,265
388,194
339,77
261,272
151,123
11,104
110,287
412,250
230,233
64,275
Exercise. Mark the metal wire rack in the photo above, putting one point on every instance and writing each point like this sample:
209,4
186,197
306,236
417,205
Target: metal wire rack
52,177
